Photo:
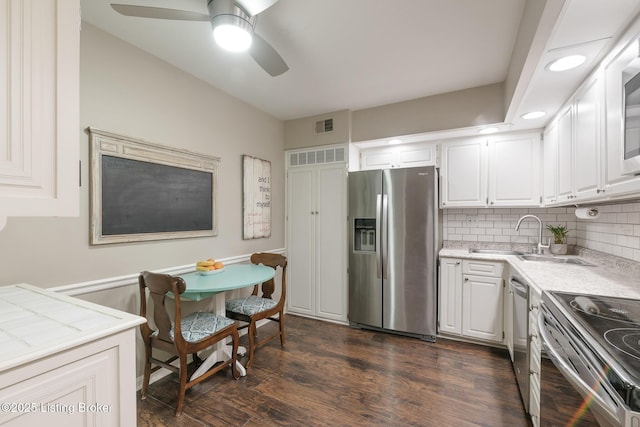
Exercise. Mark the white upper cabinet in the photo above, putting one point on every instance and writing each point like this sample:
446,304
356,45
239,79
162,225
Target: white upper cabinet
39,119
463,173
572,148
549,166
399,156
514,170
565,156
587,159
497,171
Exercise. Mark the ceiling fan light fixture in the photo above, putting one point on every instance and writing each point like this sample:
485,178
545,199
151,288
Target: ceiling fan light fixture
232,37
232,27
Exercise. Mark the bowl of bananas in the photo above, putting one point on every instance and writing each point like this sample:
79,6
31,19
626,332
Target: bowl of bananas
209,266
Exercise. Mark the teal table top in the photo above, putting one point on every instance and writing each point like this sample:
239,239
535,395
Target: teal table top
234,276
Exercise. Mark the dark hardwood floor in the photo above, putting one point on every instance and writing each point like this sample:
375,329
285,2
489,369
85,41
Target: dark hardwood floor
333,375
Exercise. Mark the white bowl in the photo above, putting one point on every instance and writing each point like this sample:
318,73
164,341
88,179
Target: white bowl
210,272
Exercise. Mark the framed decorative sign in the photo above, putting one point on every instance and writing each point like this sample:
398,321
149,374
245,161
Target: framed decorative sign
256,199
143,191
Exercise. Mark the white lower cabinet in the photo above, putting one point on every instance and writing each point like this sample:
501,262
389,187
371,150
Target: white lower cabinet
89,385
75,365
471,299
316,241
534,356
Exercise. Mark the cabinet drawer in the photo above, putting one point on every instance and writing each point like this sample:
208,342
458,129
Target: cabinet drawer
482,268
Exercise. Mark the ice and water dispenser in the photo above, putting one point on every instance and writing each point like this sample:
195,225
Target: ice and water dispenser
364,235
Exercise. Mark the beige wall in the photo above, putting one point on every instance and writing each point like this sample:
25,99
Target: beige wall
465,108
300,133
127,91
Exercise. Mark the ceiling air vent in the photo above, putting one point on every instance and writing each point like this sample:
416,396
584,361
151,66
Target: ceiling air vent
324,126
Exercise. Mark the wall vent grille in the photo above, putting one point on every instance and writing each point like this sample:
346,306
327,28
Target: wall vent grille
324,126
317,157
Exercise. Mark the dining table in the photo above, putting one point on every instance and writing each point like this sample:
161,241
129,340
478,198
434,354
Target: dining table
202,285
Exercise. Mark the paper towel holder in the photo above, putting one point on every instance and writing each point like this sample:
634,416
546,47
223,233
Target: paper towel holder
591,212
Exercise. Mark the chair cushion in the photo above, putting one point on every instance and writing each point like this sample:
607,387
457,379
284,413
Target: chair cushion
197,326
250,305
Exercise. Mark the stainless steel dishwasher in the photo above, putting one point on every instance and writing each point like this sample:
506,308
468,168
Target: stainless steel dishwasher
520,334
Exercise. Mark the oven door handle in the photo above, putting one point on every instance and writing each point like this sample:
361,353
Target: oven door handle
582,387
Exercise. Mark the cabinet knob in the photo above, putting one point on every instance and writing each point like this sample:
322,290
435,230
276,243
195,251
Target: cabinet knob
466,279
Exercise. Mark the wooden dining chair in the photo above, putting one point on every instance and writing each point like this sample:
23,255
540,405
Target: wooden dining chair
255,308
185,335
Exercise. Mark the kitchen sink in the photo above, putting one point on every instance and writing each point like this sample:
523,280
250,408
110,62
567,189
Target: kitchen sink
558,260
495,252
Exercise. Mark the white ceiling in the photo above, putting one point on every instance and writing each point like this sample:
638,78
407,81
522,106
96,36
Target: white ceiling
355,54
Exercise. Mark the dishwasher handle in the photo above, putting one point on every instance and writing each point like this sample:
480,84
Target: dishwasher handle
519,288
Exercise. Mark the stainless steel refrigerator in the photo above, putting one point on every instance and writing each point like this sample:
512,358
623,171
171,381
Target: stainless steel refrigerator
393,244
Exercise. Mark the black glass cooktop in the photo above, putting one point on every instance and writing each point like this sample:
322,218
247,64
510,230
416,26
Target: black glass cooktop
614,323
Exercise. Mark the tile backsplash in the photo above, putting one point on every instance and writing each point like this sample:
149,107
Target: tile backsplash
616,231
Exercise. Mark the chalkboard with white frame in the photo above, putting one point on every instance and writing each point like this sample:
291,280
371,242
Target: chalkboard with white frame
143,191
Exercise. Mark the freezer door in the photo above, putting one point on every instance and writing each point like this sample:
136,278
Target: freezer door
365,283
409,265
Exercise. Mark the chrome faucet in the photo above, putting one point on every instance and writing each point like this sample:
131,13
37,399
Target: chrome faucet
540,247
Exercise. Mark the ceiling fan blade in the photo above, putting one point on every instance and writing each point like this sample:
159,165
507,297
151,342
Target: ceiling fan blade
266,56
158,13
254,7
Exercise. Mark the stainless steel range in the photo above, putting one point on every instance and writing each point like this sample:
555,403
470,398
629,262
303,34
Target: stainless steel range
595,342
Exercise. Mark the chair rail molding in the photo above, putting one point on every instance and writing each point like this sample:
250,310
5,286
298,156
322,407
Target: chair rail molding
132,279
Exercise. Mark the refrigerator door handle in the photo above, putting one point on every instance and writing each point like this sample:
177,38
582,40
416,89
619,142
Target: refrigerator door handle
385,243
378,211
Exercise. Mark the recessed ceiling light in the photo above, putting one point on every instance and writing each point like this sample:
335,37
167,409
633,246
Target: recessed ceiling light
488,130
567,63
533,115
395,141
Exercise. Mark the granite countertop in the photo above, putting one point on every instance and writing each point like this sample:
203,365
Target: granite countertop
36,322
607,277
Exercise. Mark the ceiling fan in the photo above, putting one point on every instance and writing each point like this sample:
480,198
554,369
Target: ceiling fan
233,22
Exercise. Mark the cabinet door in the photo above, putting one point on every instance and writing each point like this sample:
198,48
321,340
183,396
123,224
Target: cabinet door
587,141
39,123
376,159
565,155
330,242
514,170
464,174
300,240
418,154
482,308
549,167
450,296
